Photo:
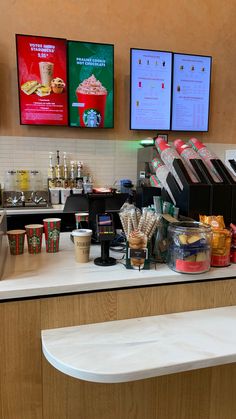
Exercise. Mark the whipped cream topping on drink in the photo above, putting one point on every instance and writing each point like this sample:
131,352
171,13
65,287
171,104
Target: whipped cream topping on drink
91,86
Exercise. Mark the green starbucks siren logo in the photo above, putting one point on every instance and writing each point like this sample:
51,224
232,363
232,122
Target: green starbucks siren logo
92,118
54,234
34,241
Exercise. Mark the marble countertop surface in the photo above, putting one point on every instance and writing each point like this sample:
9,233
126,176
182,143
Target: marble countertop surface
58,273
134,349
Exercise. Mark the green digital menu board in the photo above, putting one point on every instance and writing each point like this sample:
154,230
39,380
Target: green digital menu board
91,84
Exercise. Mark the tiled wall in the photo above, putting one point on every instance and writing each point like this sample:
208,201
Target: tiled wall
107,161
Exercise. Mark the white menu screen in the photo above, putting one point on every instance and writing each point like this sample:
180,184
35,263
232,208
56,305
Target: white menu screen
191,92
150,89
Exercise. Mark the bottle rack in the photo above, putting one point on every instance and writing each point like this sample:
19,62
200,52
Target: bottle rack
207,196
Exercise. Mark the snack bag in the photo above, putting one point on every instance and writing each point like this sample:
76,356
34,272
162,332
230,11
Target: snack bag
221,240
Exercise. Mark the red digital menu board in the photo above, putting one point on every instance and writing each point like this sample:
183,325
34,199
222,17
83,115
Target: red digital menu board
42,80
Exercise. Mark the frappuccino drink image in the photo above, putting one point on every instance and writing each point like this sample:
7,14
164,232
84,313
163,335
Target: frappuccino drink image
91,96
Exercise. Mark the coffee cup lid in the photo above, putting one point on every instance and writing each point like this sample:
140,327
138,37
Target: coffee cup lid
82,213
81,232
15,231
51,220
34,226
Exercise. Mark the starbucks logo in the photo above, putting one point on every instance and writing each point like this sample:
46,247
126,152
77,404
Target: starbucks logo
53,235
92,118
12,244
34,241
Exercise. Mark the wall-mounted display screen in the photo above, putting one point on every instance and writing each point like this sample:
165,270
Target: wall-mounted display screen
150,89
42,80
91,84
191,92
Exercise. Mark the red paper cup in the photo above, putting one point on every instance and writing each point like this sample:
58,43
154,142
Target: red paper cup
81,217
34,233
16,240
91,109
52,234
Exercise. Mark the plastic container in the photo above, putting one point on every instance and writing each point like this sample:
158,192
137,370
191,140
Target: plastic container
10,180
35,181
55,196
189,247
22,180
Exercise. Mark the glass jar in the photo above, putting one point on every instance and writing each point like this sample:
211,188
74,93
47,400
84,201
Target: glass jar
189,247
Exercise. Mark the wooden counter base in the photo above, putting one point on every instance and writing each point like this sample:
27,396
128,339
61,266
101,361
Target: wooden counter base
30,388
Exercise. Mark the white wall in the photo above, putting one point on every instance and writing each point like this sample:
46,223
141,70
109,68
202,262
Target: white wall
106,160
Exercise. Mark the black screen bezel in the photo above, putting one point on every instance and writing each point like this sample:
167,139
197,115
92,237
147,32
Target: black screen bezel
171,82
18,80
68,78
209,93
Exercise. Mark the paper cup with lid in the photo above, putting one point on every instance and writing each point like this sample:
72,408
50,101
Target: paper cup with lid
81,217
82,242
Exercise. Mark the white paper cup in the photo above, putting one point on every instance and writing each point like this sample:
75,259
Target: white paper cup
82,241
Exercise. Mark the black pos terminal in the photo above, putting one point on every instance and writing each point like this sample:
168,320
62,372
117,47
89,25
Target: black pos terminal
105,234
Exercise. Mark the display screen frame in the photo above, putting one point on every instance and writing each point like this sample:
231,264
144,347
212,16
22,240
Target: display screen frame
69,41
209,92
131,92
66,111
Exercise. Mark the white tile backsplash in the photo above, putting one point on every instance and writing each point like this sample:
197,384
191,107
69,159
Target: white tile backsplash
106,160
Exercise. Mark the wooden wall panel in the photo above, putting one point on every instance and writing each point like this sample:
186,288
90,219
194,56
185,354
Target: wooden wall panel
190,27
30,388
20,360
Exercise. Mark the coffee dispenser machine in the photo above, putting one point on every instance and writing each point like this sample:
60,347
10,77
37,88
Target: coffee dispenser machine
144,169
144,190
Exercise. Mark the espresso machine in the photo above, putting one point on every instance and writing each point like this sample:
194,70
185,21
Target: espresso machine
144,190
144,169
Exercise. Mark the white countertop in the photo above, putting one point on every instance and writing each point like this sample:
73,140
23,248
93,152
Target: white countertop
134,349
34,210
57,273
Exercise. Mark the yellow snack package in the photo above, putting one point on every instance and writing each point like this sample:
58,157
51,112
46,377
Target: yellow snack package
215,221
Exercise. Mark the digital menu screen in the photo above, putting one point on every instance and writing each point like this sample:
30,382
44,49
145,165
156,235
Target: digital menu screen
91,84
150,89
42,80
191,92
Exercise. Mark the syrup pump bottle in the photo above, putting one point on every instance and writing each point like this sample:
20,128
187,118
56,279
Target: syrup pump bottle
79,177
58,171
66,182
51,173
72,174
